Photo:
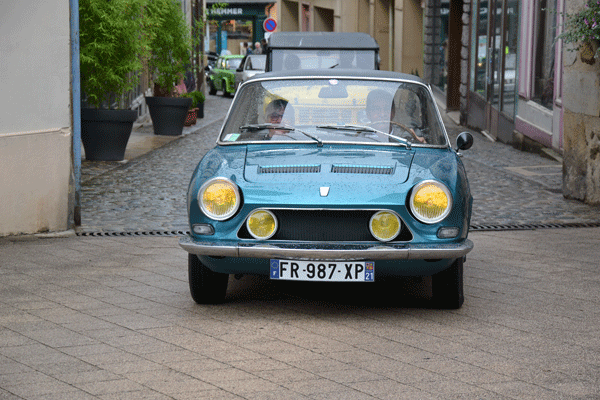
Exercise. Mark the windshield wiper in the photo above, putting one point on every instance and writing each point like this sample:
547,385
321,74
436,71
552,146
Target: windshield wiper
281,127
260,127
364,128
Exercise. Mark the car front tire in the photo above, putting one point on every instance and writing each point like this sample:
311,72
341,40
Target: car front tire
206,286
211,88
447,287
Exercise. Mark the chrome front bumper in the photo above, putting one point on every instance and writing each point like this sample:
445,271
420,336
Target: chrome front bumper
324,251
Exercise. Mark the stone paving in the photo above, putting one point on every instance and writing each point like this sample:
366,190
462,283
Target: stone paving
148,193
111,318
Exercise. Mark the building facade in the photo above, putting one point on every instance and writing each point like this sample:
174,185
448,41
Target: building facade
35,118
396,25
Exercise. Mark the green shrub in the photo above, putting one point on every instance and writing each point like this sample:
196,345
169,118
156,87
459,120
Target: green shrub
111,49
169,44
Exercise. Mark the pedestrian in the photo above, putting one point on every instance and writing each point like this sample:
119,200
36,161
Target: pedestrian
263,45
257,49
246,50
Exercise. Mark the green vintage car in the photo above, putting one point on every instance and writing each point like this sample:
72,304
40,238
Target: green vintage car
222,75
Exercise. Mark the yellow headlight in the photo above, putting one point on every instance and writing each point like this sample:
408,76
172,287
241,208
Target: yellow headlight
219,198
430,202
262,224
385,225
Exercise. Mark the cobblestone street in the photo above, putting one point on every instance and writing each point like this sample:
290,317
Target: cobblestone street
148,193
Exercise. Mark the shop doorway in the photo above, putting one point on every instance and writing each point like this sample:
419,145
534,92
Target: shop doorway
492,97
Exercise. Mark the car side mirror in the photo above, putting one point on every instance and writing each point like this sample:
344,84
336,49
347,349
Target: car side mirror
464,141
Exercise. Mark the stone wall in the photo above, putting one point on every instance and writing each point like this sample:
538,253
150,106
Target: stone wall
581,100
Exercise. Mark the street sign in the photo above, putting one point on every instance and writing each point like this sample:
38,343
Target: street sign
270,25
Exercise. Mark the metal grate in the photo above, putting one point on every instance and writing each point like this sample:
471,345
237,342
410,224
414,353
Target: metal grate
134,233
362,169
289,169
522,227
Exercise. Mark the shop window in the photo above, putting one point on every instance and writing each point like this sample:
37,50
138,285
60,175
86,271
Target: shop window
511,40
480,36
543,85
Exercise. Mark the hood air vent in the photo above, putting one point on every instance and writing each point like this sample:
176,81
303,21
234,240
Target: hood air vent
362,169
289,169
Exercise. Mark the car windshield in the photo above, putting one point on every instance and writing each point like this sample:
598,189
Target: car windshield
315,59
390,112
256,62
234,63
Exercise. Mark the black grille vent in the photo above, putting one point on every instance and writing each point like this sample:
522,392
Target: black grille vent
362,169
289,169
325,226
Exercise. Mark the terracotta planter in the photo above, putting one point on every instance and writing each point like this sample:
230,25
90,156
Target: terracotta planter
105,133
168,114
190,119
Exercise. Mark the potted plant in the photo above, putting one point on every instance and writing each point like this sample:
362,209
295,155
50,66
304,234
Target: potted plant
192,113
198,99
169,43
110,62
583,30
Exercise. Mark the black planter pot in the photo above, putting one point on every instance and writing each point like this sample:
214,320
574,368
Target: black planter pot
105,133
200,110
168,114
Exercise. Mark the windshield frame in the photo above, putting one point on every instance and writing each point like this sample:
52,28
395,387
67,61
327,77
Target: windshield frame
255,80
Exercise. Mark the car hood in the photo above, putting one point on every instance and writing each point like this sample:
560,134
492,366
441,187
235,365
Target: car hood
327,165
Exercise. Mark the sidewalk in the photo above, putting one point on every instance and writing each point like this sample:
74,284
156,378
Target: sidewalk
143,140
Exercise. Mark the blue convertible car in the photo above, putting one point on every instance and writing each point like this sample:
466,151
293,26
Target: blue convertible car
331,175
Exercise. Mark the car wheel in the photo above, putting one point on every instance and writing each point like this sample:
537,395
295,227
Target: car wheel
206,286
211,88
447,287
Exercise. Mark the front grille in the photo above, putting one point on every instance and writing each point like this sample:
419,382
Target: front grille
325,226
362,169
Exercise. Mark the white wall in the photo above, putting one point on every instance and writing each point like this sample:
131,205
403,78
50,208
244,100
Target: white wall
35,122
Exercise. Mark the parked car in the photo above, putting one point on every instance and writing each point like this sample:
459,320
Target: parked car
314,50
330,176
222,75
251,65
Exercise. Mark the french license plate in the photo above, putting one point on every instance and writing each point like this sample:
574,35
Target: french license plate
330,271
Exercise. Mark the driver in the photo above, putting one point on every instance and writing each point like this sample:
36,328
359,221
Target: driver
279,112
381,111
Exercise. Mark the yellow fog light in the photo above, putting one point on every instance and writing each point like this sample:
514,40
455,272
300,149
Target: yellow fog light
430,202
219,198
385,225
262,224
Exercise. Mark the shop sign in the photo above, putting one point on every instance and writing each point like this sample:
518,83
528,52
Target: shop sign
226,11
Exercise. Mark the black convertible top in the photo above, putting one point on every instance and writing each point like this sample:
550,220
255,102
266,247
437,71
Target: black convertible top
322,40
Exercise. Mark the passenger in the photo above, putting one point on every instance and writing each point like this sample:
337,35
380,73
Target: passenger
381,110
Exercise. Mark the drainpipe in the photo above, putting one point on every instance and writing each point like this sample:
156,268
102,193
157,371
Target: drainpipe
76,108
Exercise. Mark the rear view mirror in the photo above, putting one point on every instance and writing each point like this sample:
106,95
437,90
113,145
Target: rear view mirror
464,141
333,92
